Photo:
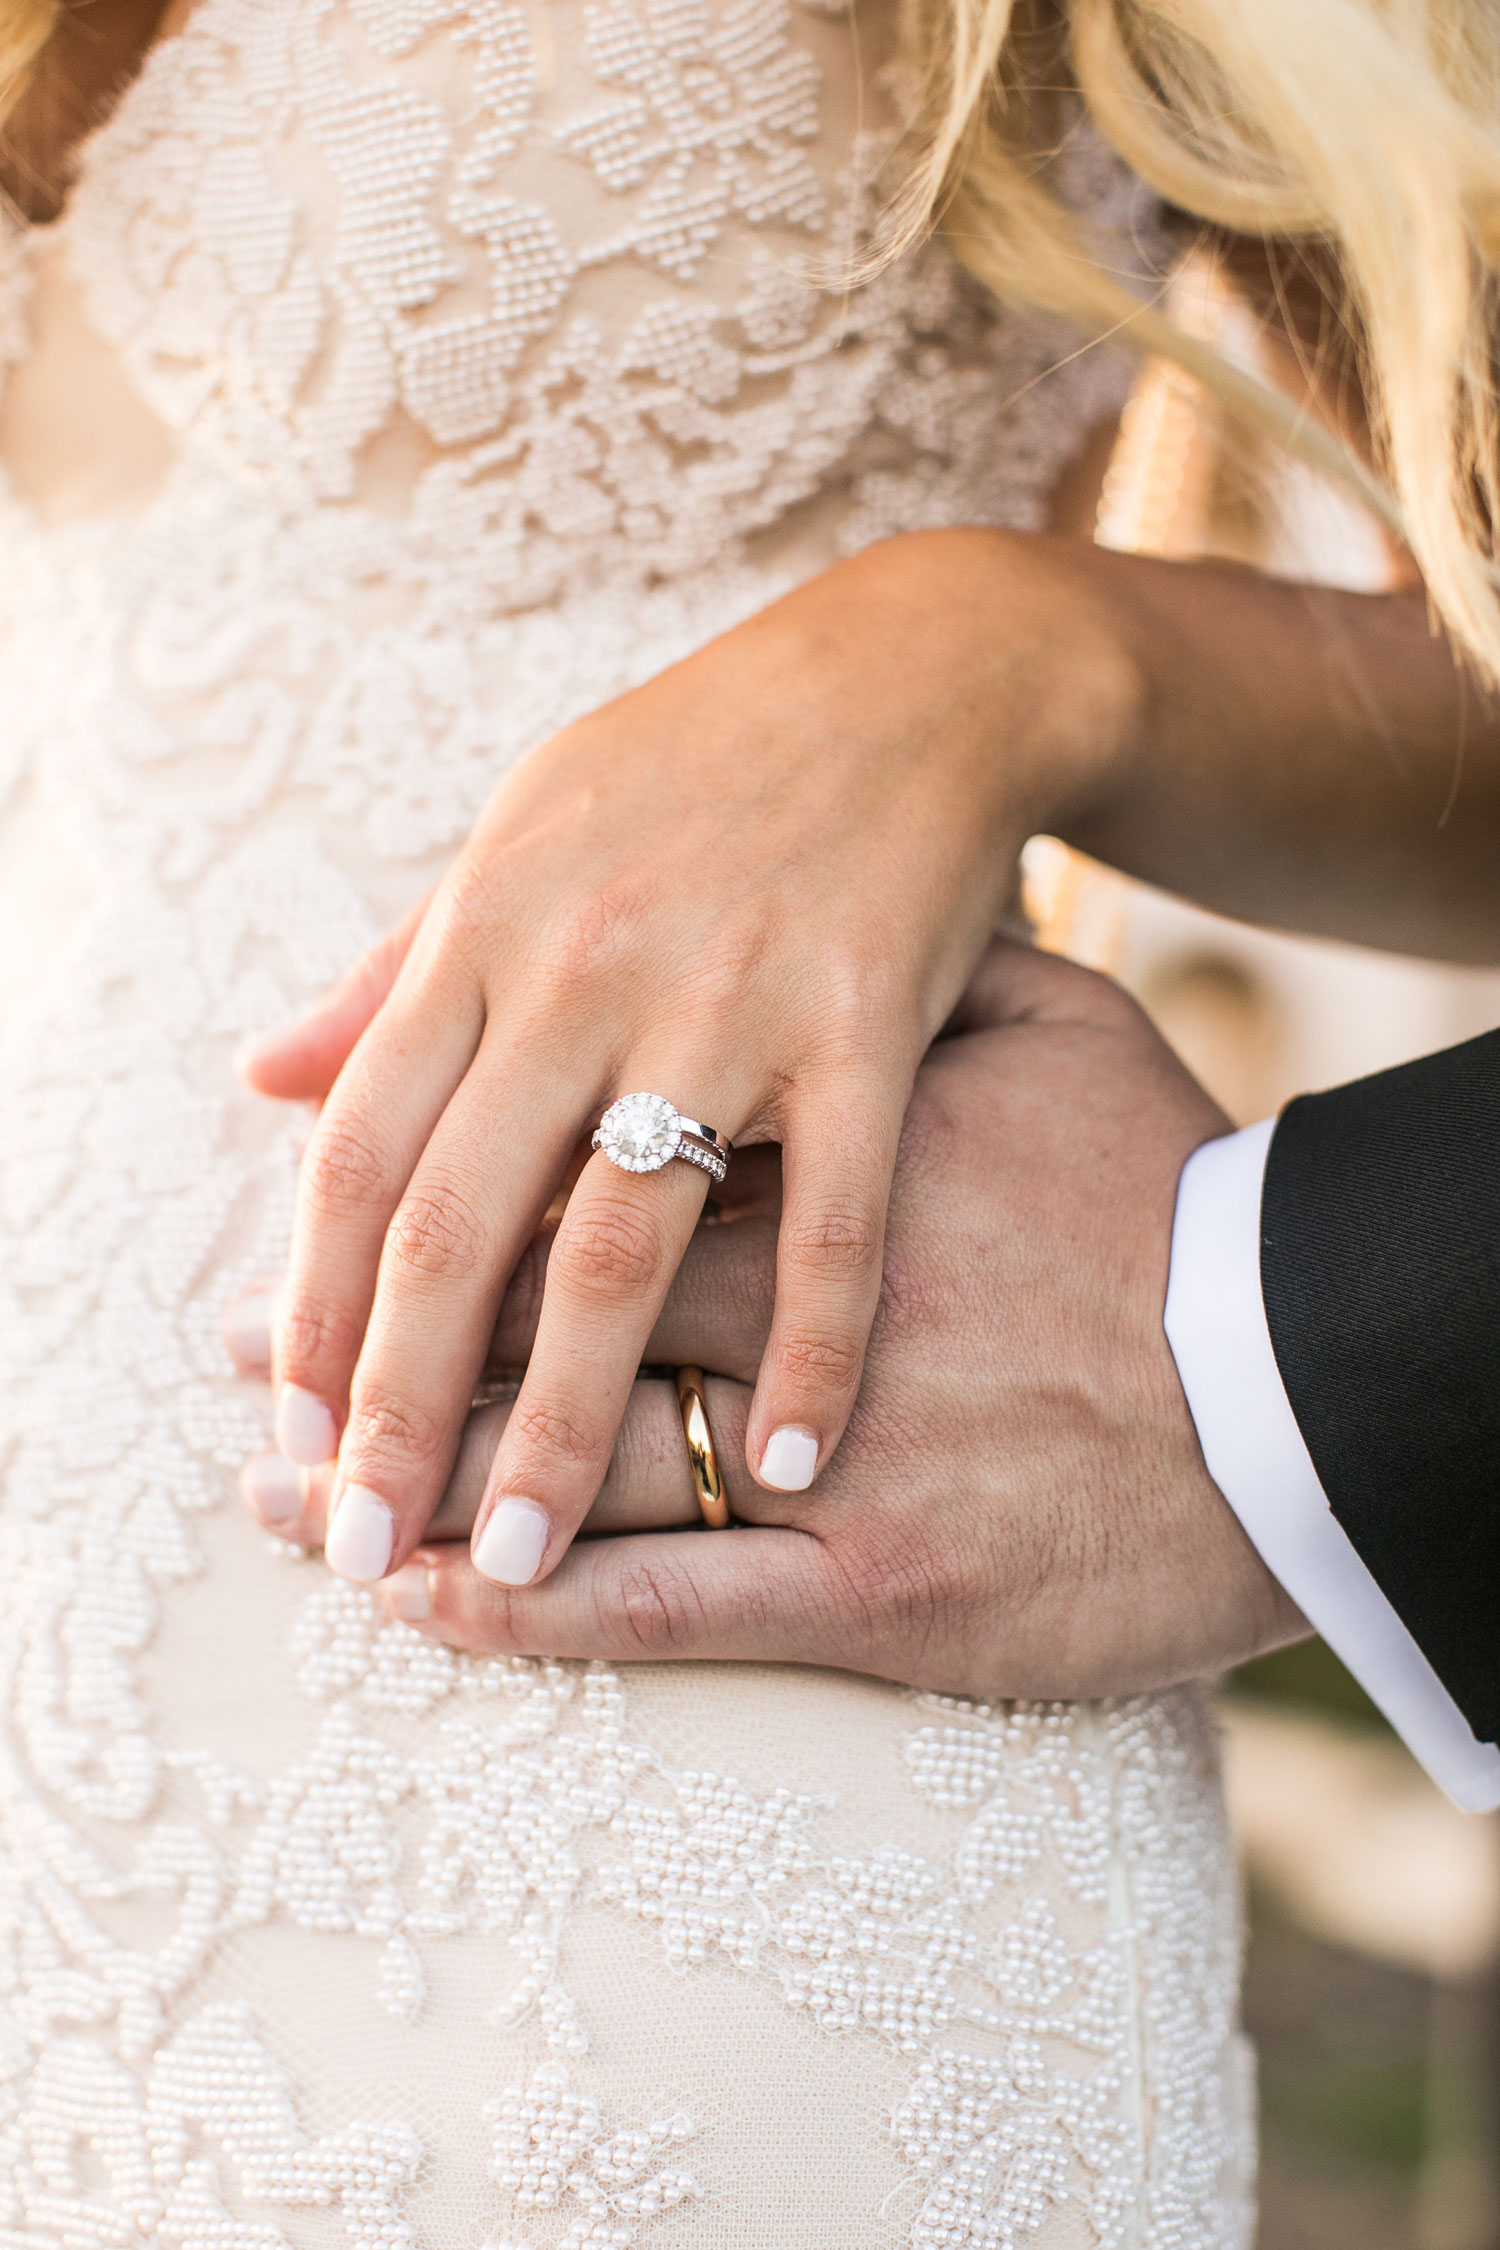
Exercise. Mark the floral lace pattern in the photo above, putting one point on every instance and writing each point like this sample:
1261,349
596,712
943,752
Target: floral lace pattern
494,378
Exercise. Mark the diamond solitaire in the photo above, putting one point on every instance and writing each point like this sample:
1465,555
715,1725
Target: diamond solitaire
643,1132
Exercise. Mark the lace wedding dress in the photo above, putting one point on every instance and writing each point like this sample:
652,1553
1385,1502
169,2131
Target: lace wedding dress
421,374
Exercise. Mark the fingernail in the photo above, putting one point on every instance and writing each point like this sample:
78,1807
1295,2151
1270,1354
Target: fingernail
510,1548
247,1331
305,1429
255,1050
272,1486
790,1460
406,1595
361,1536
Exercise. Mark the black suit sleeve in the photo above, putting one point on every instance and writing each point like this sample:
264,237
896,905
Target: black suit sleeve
1380,1269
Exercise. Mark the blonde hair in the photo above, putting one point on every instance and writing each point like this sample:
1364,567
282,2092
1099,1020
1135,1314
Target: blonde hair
25,28
1368,130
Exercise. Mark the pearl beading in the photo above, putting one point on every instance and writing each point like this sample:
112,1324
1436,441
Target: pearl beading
550,2147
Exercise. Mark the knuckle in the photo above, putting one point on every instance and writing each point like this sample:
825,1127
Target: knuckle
593,934
751,935
658,1606
852,1007
912,1297
840,1242
538,1431
1091,992
931,1587
478,1616
898,1586
389,1429
822,1363
612,1249
470,907
931,1136
862,1580
436,1231
312,1335
915,1607
344,1168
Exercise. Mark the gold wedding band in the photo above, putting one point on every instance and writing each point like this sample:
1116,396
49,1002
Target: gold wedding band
702,1459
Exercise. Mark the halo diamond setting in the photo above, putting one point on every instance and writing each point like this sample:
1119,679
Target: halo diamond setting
643,1132
640,1133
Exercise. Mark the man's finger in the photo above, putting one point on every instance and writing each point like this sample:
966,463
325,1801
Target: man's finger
717,1312
753,1595
648,1486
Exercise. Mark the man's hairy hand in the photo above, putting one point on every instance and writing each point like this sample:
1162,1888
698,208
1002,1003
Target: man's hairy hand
1020,1507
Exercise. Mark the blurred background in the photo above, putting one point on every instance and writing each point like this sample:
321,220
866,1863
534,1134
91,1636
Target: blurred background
1373,1986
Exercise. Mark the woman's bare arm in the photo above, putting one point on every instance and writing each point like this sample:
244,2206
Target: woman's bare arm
1301,756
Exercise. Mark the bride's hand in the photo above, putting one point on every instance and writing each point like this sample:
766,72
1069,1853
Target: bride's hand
756,886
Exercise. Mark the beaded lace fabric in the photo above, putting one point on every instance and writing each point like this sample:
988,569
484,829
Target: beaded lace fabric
442,368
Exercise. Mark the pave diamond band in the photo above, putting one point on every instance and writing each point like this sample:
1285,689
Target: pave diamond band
643,1133
708,1158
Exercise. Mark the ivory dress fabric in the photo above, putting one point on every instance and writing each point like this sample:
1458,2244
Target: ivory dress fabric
436,370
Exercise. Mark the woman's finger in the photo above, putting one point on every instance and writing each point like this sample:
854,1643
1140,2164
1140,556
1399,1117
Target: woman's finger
276,1492
246,1325
717,1313
355,1168
612,1261
837,1161
474,1201
752,1594
299,1061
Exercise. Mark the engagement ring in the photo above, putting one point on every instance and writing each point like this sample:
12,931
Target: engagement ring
643,1132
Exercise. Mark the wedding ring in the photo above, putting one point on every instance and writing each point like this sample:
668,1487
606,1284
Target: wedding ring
702,1459
643,1132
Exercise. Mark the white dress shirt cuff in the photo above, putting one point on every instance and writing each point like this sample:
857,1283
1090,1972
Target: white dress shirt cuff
1216,1325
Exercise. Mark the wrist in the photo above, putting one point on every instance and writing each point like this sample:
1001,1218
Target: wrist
1044,653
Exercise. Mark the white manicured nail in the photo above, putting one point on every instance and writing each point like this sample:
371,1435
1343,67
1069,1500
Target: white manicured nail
361,1536
247,1331
406,1595
510,1548
272,1486
305,1429
790,1461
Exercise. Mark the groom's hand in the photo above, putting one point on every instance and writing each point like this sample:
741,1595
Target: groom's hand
1020,1506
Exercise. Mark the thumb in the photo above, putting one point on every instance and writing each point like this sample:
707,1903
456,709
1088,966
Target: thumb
751,1595
300,1060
